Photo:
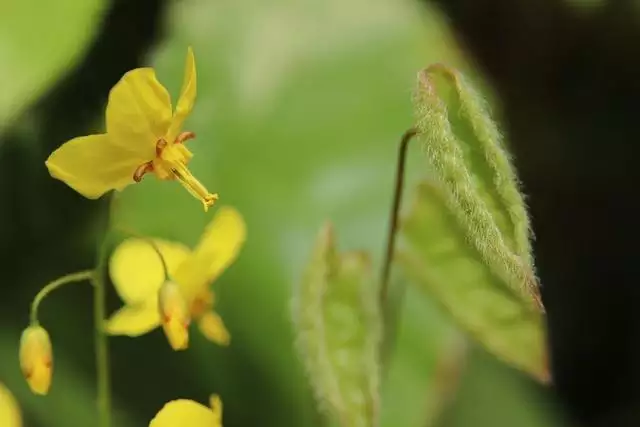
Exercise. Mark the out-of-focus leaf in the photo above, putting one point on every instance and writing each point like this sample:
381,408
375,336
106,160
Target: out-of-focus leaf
465,151
440,258
338,329
445,380
39,41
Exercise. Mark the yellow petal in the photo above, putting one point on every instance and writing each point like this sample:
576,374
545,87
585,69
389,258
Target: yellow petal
212,327
93,165
134,320
9,410
183,412
218,248
187,97
138,112
175,316
136,269
216,407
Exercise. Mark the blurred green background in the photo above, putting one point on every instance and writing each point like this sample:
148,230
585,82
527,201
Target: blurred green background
299,111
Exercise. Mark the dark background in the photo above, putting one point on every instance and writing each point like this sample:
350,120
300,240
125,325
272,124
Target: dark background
566,77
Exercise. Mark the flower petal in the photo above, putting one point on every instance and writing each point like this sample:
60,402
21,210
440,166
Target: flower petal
138,112
216,407
183,412
212,327
218,248
136,269
93,165
9,410
134,320
187,97
175,316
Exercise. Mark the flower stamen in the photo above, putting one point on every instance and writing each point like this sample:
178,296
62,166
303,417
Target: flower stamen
184,136
160,145
201,304
141,170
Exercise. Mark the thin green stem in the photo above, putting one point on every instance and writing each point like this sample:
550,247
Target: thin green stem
101,341
389,308
395,212
52,286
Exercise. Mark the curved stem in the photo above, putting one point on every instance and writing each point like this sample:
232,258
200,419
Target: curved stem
387,307
395,211
52,286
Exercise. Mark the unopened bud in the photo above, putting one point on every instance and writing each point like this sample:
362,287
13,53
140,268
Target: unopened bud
174,313
36,358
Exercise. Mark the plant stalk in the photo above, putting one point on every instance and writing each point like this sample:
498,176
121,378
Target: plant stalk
50,287
395,212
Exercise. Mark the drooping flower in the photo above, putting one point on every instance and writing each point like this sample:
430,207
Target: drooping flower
143,136
36,358
138,276
9,410
184,412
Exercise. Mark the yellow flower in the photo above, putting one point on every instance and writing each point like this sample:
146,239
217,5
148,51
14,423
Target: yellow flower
9,411
36,358
143,135
137,273
183,412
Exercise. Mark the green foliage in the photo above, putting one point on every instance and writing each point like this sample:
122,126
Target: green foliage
441,259
479,184
38,42
468,230
338,329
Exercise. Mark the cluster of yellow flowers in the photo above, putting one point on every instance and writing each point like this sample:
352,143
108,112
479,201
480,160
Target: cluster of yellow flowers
161,283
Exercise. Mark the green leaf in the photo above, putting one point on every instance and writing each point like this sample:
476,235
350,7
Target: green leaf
338,326
467,158
39,41
440,258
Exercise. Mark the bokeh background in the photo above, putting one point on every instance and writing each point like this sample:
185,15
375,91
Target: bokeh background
300,107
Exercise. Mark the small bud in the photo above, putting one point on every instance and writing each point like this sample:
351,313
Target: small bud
174,313
36,359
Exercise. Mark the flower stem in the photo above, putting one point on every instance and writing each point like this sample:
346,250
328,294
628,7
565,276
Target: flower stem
101,342
52,286
395,211
389,308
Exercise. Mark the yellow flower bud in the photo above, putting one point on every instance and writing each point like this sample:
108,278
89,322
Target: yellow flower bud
36,358
174,313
